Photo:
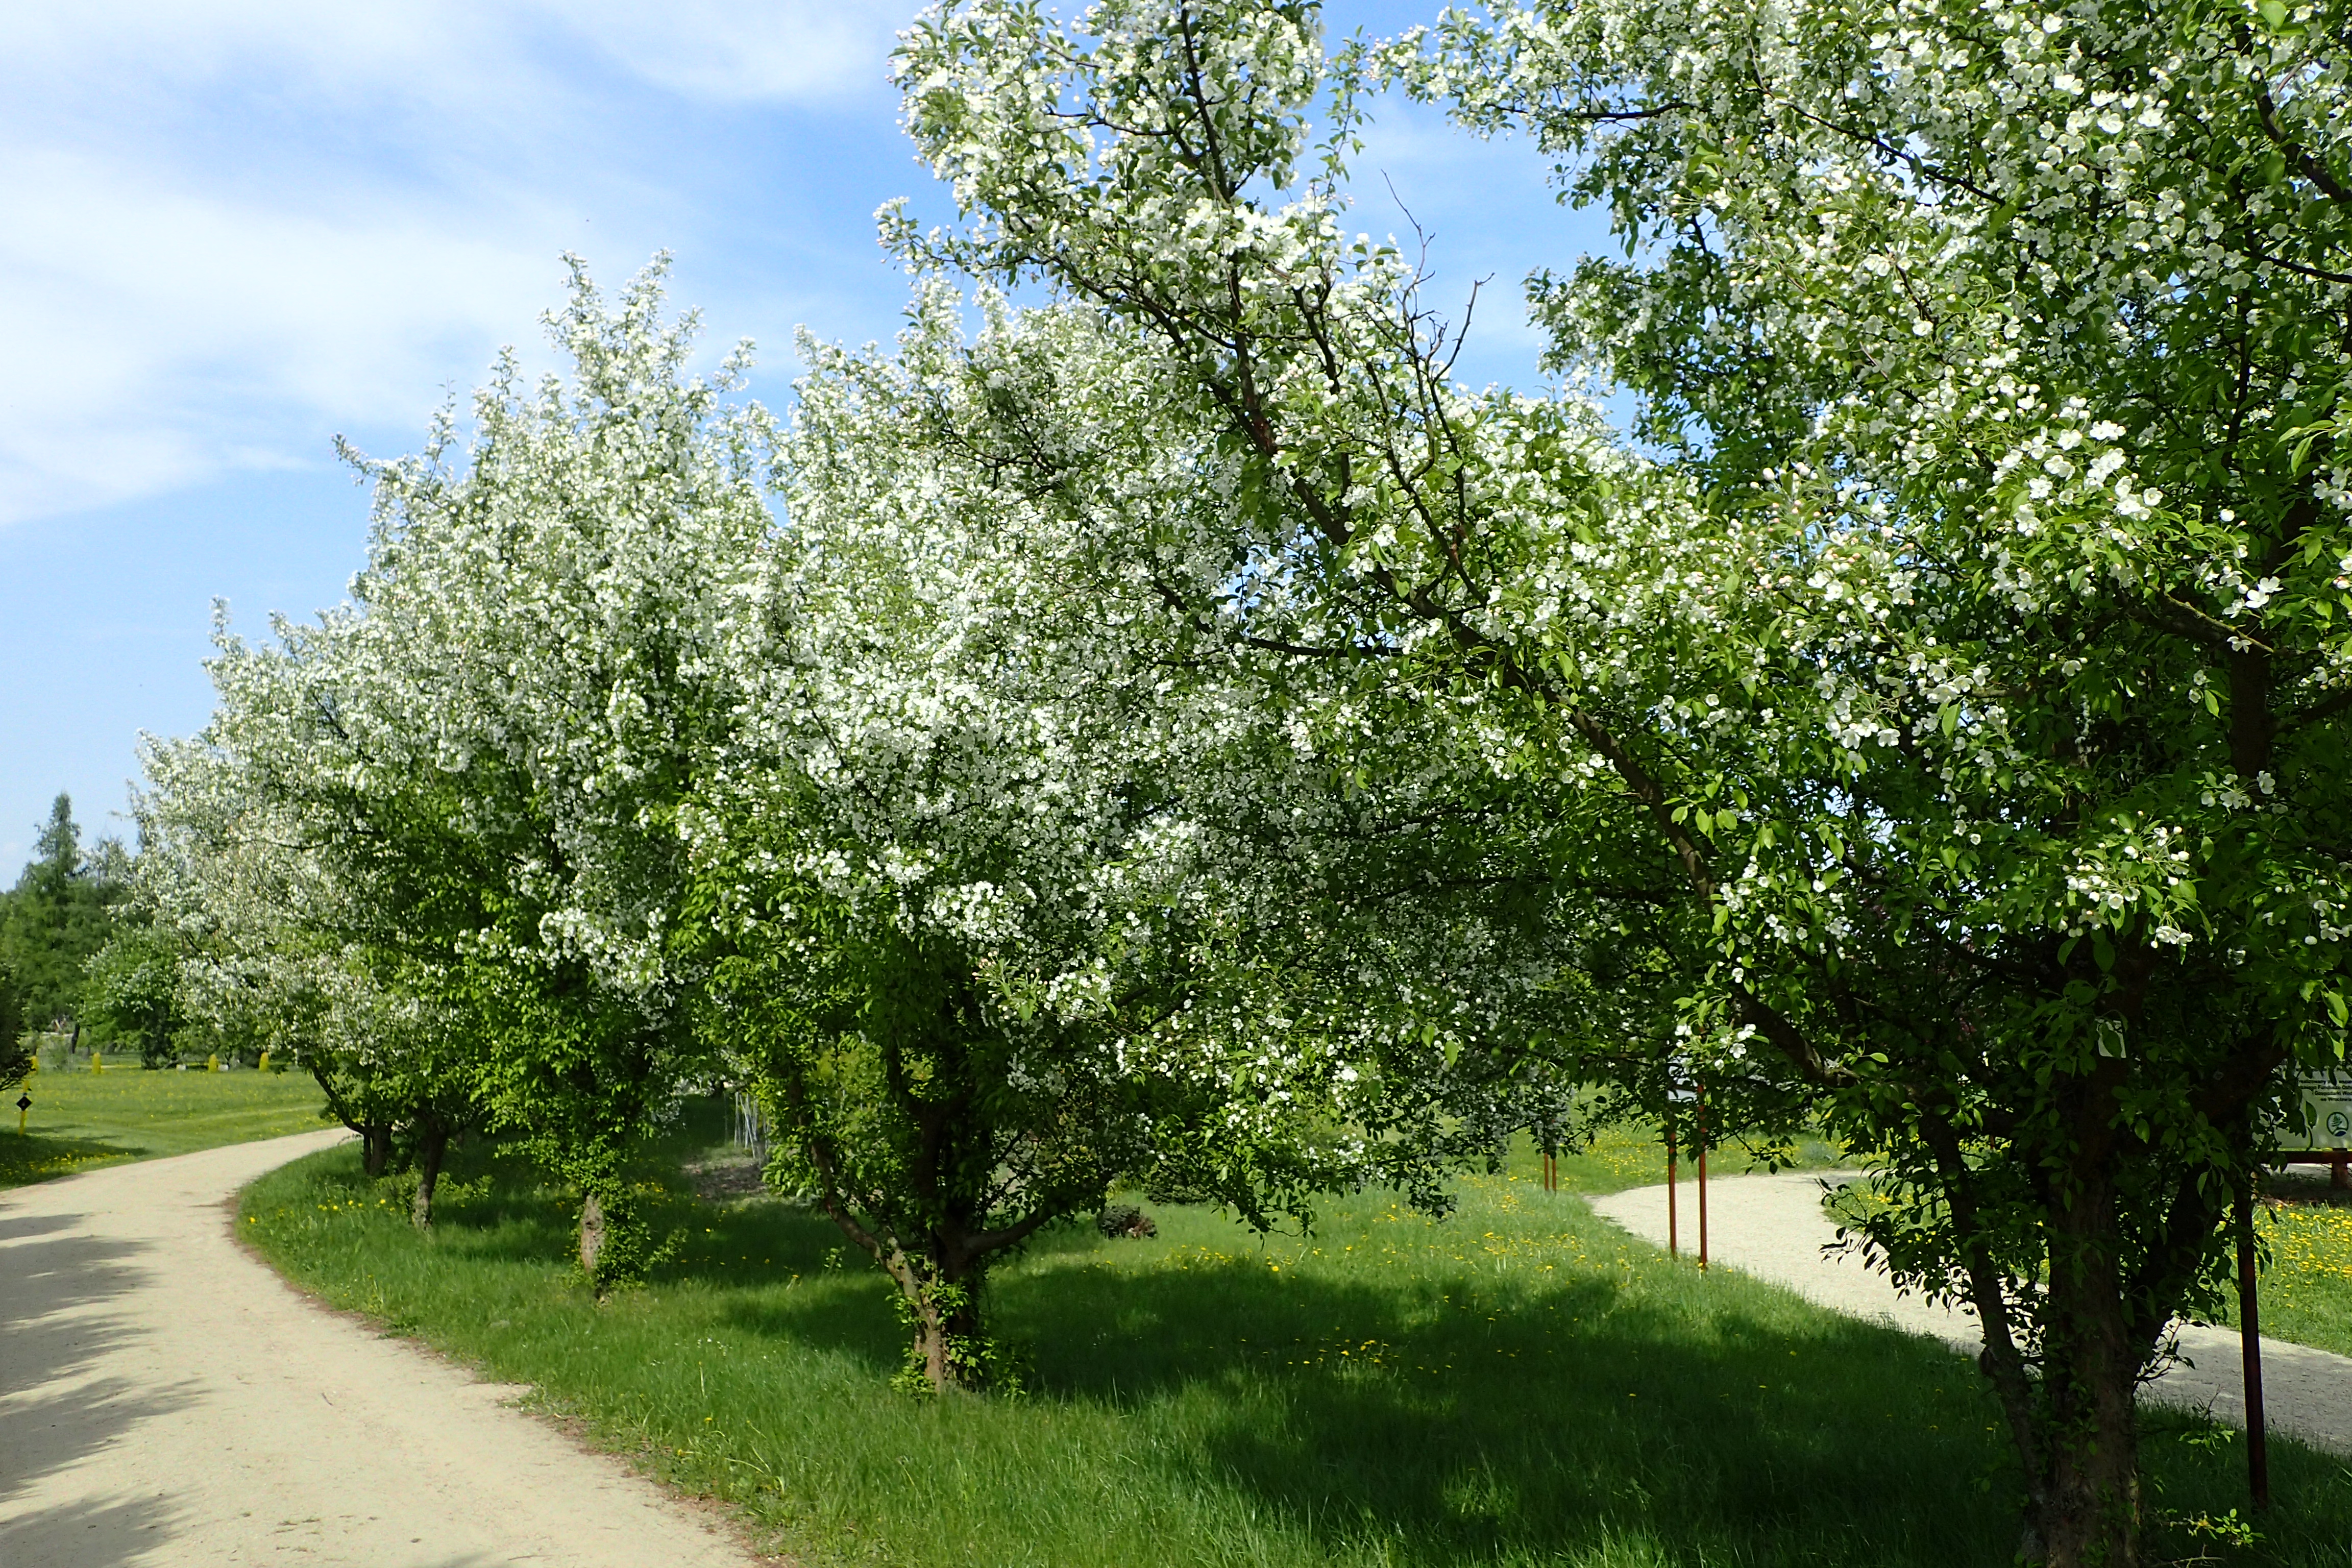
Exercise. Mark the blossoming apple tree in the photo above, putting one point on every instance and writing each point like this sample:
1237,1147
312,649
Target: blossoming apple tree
266,946
983,861
1959,690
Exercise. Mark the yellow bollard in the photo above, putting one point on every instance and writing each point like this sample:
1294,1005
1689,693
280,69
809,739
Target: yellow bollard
212,1063
264,1066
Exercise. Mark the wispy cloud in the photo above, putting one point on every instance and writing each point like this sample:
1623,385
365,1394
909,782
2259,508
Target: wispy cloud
229,223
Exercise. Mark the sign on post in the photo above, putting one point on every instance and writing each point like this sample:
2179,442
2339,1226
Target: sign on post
2319,1131
2327,1121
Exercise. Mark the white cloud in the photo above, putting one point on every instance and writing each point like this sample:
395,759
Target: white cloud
452,51
231,226
158,334
729,49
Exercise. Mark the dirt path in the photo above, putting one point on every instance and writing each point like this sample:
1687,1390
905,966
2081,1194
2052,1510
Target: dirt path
1773,1227
165,1399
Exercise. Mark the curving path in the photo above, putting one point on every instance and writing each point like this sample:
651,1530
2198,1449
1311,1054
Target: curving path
167,1401
1773,1227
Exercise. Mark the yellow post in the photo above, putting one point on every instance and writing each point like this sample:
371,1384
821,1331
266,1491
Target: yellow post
212,1063
265,1063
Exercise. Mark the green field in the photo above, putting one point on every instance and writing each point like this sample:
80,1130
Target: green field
2306,1277
81,1119
1520,1385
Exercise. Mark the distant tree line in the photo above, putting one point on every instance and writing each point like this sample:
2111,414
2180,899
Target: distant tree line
75,959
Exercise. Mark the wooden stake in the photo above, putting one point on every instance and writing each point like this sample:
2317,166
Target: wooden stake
1674,1186
1702,1173
2250,1343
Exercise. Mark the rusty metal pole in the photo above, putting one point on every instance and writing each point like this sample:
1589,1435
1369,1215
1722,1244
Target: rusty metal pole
1674,1187
2250,1342
1702,1173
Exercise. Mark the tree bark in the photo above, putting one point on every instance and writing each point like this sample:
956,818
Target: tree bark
948,1330
375,1148
941,1288
432,1145
591,1232
2087,1509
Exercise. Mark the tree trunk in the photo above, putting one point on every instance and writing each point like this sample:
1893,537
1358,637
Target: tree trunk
2087,1511
432,1144
591,1232
2090,1508
948,1339
375,1148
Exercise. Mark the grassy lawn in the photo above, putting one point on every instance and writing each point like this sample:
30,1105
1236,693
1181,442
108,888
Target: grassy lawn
81,1119
1633,1156
2306,1281
1520,1385
2306,1275
2306,1290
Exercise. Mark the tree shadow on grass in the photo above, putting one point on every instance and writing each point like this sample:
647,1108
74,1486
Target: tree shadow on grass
1450,1421
31,1157
1443,1416
1562,1422
788,1273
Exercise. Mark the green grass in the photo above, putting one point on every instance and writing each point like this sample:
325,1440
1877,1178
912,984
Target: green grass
1520,1385
81,1119
2306,1279
1634,1156
2307,1290
2305,1282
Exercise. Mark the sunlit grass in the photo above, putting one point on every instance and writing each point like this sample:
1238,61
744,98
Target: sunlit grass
1635,1156
2305,1279
2307,1286
1520,1385
82,1120
2306,1276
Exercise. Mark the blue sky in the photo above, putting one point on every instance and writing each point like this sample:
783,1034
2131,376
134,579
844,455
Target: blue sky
236,230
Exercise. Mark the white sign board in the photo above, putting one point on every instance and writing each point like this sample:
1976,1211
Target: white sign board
2326,1111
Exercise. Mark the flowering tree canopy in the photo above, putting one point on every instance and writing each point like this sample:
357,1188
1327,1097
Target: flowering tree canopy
982,926
269,949
1961,678
456,795
527,669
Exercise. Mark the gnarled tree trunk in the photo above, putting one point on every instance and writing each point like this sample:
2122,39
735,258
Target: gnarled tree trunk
431,1147
375,1148
591,1232
2088,1508
2077,1426
950,1343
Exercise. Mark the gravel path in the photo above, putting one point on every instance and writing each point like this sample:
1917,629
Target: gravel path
166,1400
1773,1227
